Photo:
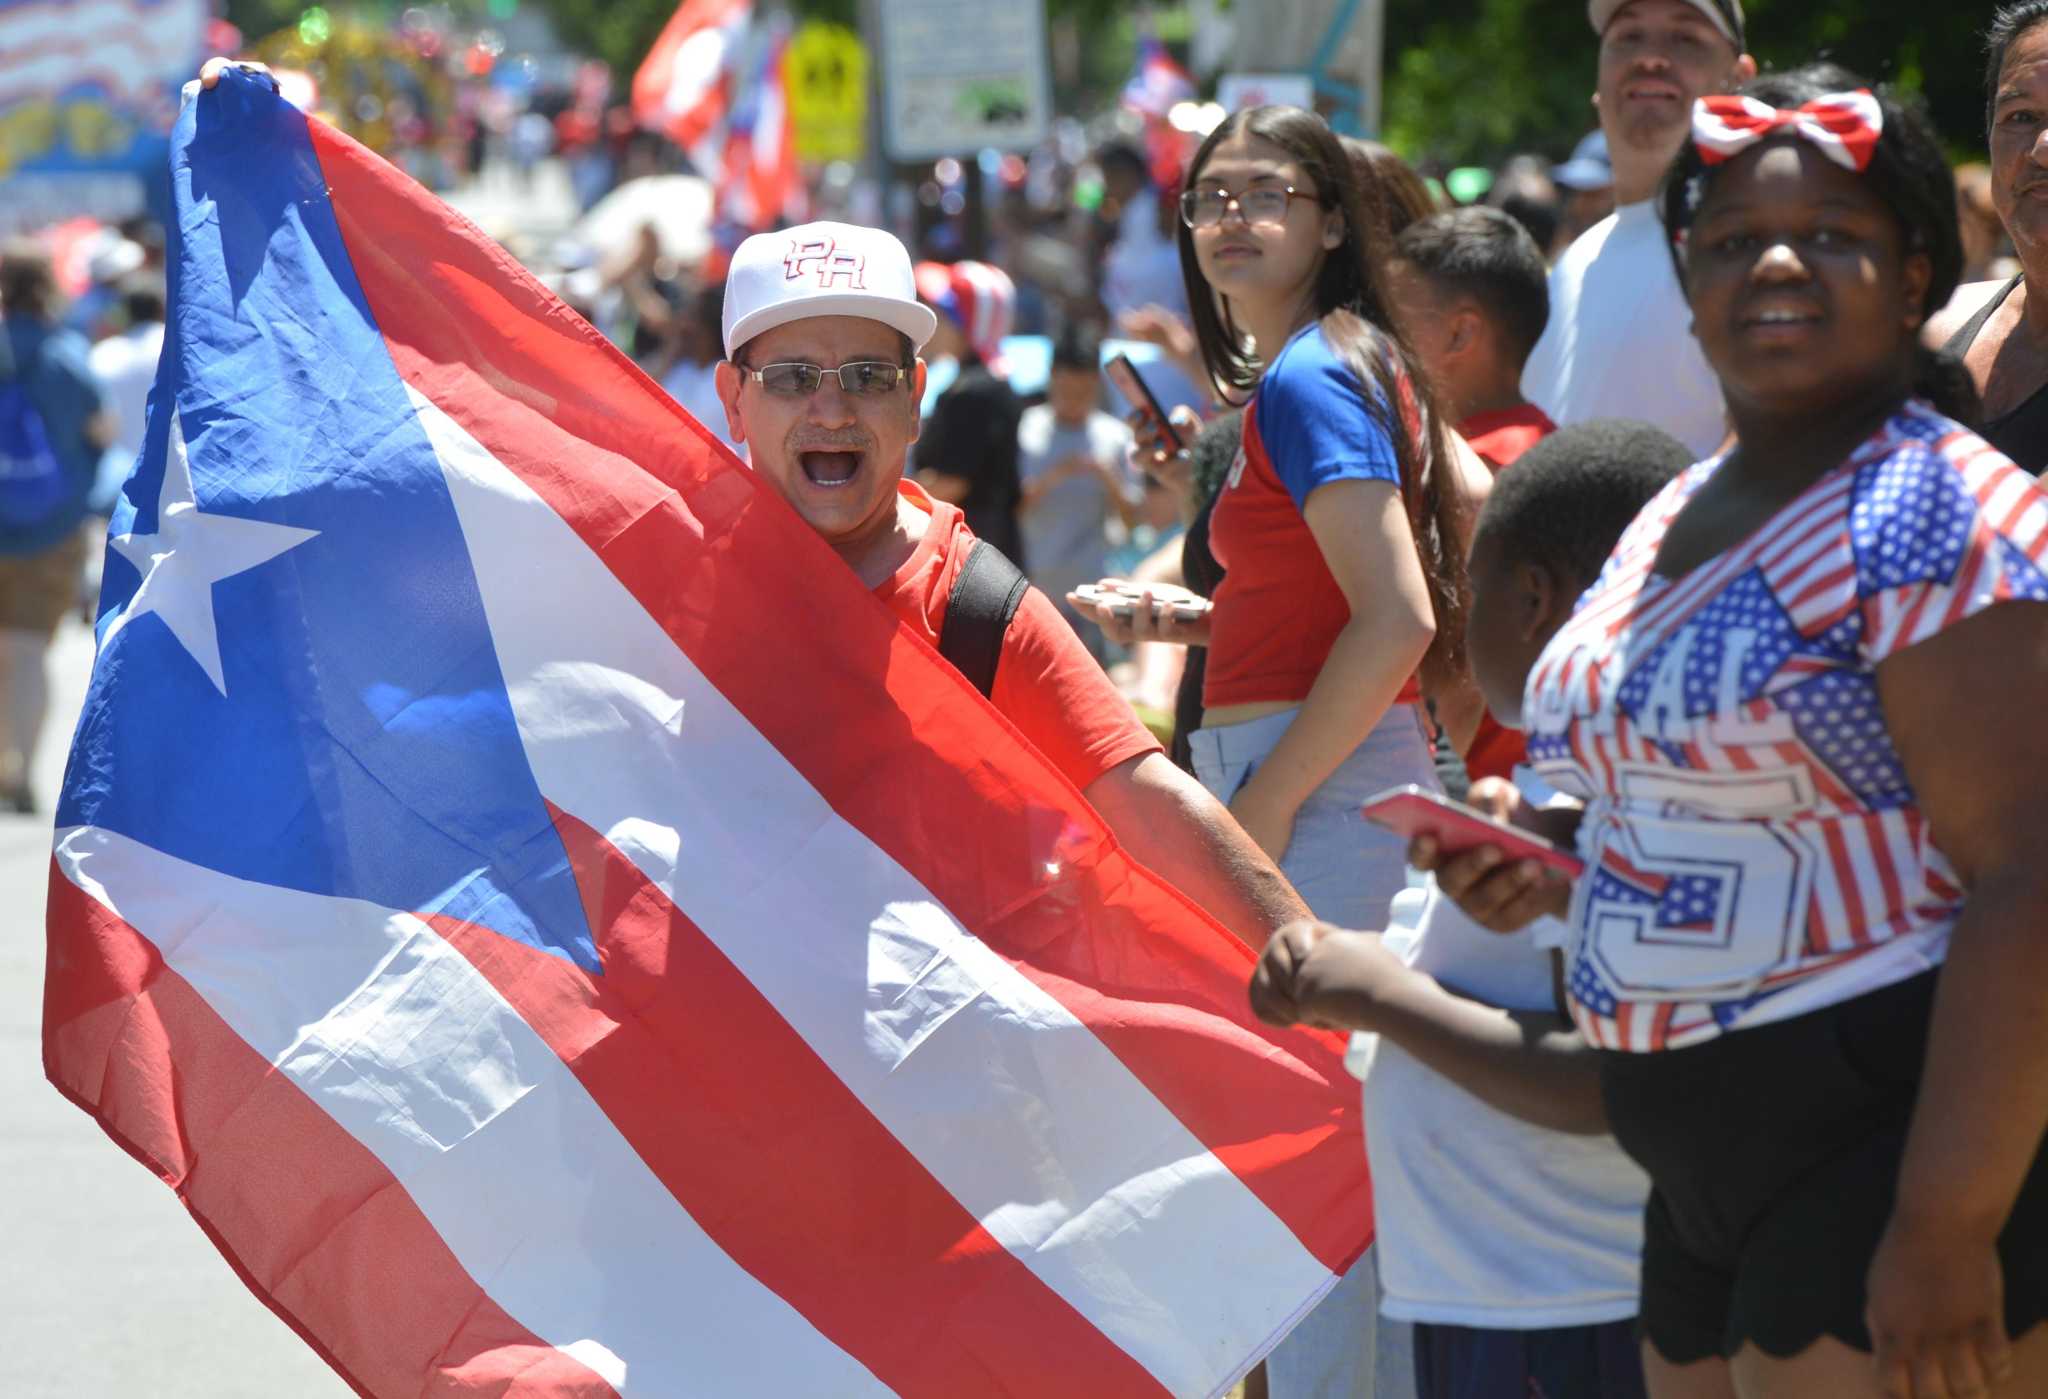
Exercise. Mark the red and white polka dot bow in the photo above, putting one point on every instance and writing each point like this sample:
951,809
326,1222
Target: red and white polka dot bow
1844,125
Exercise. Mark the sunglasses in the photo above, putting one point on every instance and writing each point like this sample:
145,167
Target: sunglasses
863,378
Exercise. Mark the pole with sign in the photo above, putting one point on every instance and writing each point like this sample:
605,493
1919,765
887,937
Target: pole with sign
945,92
828,92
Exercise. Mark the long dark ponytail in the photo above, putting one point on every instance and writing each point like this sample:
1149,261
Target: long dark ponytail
1907,171
1352,305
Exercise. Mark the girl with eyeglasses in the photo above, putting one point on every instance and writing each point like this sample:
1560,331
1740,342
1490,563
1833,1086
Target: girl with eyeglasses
1811,942
1340,527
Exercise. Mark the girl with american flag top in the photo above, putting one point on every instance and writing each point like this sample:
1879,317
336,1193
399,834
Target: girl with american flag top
1809,938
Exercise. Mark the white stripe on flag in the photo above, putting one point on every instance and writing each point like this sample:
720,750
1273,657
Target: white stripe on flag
1003,1095
395,1035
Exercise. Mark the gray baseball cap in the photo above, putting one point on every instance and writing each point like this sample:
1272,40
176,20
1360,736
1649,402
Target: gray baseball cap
1726,15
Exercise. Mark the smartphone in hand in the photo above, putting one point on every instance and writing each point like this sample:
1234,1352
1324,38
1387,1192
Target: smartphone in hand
1124,603
1115,603
1124,375
1411,811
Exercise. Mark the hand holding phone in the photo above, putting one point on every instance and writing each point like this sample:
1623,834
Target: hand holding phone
1124,376
1413,811
1130,612
1104,599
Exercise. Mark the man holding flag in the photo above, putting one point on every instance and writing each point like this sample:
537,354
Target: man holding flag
560,932
821,380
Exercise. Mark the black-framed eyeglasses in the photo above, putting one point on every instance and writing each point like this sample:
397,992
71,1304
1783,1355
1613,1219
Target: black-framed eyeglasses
863,378
1204,208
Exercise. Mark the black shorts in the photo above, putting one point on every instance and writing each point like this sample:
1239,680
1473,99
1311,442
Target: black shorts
1564,1362
1773,1156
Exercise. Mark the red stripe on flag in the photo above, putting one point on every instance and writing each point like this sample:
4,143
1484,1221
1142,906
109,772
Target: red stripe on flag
1158,982
779,1162
687,38
309,1219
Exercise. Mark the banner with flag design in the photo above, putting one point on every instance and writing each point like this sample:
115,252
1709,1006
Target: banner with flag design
1157,83
560,935
759,186
684,87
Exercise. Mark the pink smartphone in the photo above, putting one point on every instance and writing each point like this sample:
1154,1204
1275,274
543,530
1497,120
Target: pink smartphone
1412,811
1119,370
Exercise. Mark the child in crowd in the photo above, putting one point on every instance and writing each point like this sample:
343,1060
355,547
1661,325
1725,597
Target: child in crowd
1472,293
1071,463
1509,1224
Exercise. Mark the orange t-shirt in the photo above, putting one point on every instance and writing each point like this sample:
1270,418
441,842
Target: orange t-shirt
1046,682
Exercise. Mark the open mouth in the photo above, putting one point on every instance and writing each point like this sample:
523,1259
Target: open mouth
829,468
1781,320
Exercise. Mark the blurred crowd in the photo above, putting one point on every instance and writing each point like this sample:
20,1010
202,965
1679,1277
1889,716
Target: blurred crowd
1039,260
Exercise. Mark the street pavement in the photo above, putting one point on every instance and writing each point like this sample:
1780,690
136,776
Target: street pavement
107,1287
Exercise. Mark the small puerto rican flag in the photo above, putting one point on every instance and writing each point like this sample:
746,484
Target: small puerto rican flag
1157,83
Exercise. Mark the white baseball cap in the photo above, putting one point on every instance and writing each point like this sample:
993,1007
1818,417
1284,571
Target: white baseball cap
1726,15
822,269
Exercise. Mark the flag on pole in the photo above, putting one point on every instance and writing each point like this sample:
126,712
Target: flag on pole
1155,86
758,183
684,87
561,935
1157,82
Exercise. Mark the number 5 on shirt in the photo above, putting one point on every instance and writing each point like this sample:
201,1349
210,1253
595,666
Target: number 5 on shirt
1694,910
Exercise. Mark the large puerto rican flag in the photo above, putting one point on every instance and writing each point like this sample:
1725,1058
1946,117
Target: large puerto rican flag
561,936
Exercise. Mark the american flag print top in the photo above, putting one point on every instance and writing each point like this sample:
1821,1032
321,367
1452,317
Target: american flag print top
1754,848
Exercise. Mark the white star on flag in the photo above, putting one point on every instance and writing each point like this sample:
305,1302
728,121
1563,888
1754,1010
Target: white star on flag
190,552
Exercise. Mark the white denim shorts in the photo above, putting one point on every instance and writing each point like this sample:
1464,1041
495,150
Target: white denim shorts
1346,869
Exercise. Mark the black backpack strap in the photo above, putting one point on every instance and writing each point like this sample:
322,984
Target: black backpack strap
985,596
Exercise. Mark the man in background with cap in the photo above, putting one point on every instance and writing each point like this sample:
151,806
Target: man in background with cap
1619,343
822,381
1586,182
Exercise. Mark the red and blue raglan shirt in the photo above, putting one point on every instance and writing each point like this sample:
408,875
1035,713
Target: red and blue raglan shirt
1279,609
1754,847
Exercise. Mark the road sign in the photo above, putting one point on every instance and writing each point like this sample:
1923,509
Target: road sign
828,92
956,79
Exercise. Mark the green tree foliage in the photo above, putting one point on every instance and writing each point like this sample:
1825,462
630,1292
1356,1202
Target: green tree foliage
1473,80
259,18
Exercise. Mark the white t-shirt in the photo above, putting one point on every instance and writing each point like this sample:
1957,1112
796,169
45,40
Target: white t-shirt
1619,343
1066,540
1142,268
125,365
1485,1220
